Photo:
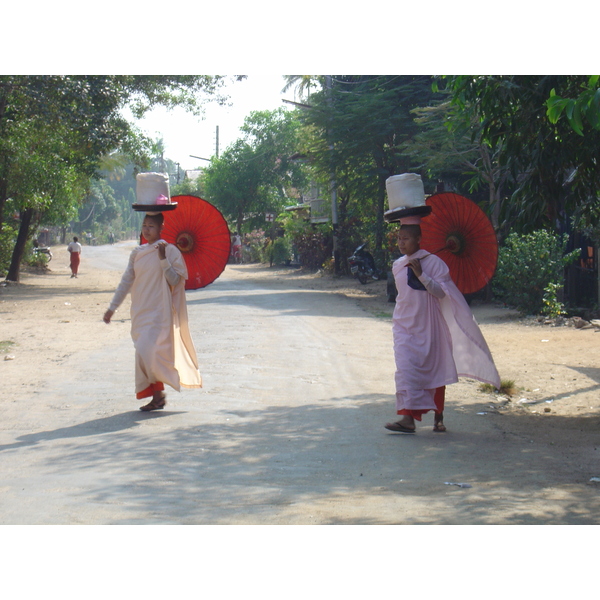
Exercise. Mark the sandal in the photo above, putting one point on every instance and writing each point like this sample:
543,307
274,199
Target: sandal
398,427
438,423
155,404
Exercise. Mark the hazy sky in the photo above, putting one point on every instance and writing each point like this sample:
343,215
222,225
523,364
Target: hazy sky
185,135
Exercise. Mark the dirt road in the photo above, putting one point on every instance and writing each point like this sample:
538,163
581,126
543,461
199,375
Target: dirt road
288,429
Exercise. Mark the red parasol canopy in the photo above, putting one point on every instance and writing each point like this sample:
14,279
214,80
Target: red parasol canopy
460,233
201,233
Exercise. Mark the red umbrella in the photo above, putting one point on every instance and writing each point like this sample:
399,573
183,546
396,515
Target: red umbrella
201,233
462,235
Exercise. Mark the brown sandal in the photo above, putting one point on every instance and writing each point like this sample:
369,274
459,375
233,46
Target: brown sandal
438,423
155,404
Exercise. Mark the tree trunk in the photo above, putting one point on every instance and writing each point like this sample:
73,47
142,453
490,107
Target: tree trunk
5,91
494,205
240,221
3,199
3,190
19,249
380,208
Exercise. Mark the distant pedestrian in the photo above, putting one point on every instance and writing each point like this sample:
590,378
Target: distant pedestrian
74,249
237,248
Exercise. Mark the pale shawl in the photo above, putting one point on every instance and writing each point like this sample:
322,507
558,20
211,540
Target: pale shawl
159,320
436,339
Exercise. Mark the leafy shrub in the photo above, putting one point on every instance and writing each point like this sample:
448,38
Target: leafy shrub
529,267
278,251
36,260
253,245
553,307
311,242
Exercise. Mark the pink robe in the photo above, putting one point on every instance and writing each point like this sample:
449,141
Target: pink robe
436,337
159,323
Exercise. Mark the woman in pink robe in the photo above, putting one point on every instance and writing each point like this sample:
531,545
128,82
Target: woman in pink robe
436,338
164,350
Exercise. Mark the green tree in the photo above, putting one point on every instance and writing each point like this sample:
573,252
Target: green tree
358,126
233,183
54,130
581,108
44,186
458,155
256,175
553,170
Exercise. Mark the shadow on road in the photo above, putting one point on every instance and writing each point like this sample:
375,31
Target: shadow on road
104,425
269,465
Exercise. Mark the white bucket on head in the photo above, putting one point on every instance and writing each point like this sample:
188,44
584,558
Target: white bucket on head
405,191
150,187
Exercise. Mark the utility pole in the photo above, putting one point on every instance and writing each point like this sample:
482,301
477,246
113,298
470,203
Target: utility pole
217,153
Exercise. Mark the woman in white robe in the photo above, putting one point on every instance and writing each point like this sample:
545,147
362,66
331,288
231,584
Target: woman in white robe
164,350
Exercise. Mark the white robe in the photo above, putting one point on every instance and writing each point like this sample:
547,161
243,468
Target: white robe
159,323
436,337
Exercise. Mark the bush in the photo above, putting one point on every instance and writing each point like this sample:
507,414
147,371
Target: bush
253,246
278,251
312,243
36,260
530,271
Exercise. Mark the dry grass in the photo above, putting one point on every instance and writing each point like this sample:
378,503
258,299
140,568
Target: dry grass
507,388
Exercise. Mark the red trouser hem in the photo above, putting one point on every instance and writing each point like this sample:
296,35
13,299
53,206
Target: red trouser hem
149,391
438,398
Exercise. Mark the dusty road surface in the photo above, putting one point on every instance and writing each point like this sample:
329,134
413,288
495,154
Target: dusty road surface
288,429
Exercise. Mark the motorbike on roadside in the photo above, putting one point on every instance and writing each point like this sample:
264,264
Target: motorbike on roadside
42,250
362,265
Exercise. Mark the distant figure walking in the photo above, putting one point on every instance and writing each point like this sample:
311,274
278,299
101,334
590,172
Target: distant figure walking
237,248
74,249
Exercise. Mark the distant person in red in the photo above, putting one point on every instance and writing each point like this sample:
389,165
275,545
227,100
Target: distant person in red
74,249
237,248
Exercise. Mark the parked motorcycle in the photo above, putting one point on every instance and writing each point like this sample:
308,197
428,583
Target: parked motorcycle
362,265
42,250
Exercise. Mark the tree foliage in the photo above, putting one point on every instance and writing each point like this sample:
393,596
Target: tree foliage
582,110
553,171
256,175
357,131
54,131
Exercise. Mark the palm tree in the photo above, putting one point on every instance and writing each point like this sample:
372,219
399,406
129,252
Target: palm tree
302,83
113,165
